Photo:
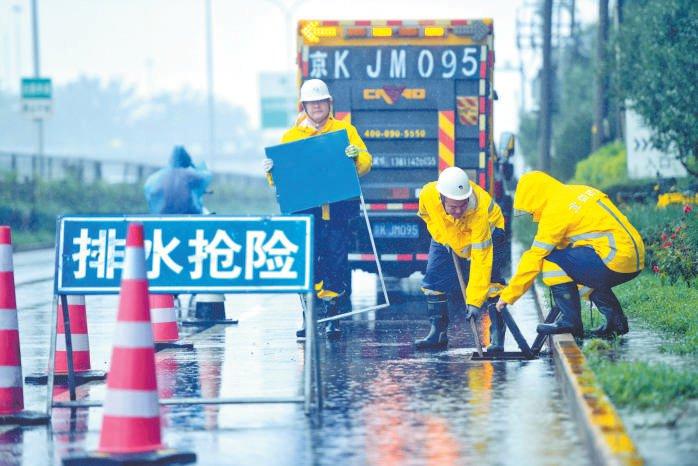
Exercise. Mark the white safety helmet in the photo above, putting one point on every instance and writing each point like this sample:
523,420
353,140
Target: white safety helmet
454,184
313,90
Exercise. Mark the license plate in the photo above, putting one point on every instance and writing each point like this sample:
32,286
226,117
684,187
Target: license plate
395,230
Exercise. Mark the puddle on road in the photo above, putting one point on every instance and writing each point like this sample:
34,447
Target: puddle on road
386,403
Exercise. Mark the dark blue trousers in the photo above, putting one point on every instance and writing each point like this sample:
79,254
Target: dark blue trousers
441,275
584,266
332,242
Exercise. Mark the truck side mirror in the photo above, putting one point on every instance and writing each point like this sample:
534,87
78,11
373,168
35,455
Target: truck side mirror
507,144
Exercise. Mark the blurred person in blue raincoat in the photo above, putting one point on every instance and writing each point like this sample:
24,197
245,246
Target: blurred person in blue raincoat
178,188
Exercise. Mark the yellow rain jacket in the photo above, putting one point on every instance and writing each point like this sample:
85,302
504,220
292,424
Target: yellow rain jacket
469,236
572,215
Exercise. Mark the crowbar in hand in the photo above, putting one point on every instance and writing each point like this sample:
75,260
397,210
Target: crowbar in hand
473,326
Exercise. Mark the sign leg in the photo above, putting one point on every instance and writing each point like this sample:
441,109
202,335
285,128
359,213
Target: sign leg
68,346
316,354
51,356
307,354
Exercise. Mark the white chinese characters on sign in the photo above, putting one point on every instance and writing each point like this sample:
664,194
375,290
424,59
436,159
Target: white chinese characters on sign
273,258
220,252
266,256
318,64
161,254
104,253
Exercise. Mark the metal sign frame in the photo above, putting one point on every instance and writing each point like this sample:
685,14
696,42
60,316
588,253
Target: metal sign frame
325,150
378,268
312,387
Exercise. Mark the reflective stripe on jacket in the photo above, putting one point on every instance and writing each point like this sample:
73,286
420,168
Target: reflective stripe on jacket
572,215
469,236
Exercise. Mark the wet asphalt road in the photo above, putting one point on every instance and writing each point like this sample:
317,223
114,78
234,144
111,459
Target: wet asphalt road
385,403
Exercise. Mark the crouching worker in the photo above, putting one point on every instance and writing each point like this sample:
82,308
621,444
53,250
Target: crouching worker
332,234
462,217
582,238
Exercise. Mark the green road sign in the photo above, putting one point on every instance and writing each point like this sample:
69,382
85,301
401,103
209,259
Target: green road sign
36,97
278,112
278,99
36,88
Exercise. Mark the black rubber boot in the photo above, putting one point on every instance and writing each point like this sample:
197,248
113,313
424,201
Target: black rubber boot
498,330
616,322
437,338
332,330
566,297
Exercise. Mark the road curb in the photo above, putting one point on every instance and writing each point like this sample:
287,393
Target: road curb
601,426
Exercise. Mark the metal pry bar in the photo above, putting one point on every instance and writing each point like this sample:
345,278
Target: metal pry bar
461,282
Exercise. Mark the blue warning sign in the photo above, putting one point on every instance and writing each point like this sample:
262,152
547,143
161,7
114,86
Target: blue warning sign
188,254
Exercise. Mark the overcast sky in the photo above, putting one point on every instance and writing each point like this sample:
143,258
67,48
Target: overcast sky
159,45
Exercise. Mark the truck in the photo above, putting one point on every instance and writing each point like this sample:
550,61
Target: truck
420,94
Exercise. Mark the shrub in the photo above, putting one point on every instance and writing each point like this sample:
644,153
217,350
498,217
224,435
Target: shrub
30,207
604,168
672,251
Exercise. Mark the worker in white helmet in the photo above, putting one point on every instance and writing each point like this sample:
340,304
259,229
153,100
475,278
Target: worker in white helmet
462,218
332,235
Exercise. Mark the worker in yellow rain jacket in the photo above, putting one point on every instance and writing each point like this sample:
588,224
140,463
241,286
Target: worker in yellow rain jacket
582,238
461,217
332,235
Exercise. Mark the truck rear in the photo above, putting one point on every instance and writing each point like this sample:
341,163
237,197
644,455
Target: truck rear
420,94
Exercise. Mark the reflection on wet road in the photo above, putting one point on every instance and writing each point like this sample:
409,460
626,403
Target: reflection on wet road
386,403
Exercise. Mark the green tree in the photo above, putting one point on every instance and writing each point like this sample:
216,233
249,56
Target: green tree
574,111
658,65
572,108
528,137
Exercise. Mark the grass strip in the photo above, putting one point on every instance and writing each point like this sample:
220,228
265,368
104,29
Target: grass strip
671,310
642,385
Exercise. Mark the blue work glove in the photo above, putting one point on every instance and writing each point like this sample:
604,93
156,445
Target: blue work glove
352,151
473,311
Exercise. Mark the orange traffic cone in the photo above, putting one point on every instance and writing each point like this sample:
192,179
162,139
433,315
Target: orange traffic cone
11,388
164,317
81,347
131,431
